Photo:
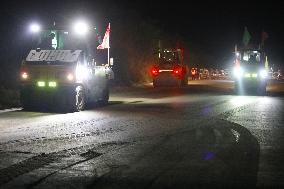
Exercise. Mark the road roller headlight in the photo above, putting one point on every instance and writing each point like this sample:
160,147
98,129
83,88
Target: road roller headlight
263,73
70,77
238,72
24,75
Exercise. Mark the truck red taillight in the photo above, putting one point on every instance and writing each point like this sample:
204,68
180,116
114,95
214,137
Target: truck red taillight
177,71
154,71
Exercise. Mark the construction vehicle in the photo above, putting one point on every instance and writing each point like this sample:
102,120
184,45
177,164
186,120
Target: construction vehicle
61,72
170,70
204,73
194,74
250,71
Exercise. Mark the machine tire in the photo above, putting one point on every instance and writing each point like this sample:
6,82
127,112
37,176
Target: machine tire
261,90
26,106
105,96
236,89
179,83
185,82
155,84
25,101
80,99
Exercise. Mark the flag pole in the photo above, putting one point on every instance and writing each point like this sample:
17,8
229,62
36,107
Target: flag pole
108,56
108,47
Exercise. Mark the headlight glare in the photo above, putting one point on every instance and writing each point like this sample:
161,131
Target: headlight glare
70,77
238,72
263,73
24,75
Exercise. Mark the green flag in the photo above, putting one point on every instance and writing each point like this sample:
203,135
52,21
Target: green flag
246,37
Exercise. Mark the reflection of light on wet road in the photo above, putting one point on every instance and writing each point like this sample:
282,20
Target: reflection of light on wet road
208,156
242,100
10,110
48,125
266,100
236,134
206,111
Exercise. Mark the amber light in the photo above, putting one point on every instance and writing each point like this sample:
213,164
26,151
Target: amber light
25,75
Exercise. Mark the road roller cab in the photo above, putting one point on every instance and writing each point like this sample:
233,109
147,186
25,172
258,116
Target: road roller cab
250,71
62,77
170,68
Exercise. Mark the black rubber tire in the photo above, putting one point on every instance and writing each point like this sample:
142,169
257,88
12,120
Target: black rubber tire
155,84
26,102
105,96
185,81
236,89
261,91
179,83
27,107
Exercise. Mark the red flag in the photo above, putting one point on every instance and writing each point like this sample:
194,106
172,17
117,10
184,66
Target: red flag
105,43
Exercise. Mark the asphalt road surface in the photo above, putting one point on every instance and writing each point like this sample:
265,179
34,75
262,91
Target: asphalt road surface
200,136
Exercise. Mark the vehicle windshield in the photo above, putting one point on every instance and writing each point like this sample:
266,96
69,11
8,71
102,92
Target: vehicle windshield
170,57
58,40
251,57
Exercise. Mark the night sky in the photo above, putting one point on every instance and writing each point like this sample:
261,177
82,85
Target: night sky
211,28
216,27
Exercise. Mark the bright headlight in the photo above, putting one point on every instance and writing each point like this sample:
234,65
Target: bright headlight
41,83
263,73
52,84
70,77
238,72
34,28
81,28
24,75
82,73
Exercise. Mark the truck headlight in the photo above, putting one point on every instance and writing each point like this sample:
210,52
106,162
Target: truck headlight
263,73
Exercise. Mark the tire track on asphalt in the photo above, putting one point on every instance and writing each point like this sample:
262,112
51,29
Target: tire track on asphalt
88,152
97,132
8,145
227,114
41,160
36,162
99,182
63,136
